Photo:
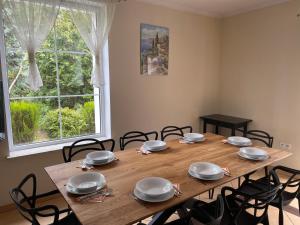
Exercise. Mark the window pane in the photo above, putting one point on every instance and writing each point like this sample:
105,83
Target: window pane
17,62
78,117
34,120
67,34
75,74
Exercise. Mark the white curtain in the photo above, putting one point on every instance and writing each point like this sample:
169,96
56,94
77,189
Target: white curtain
93,20
32,21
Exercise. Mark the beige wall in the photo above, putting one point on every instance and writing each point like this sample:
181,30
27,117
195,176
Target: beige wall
260,72
140,102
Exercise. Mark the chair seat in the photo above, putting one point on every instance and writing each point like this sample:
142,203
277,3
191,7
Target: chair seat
70,219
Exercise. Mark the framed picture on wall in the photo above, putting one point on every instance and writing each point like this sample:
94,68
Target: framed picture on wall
154,52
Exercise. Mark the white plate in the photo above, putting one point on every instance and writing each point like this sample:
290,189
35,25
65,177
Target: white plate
92,163
100,156
83,183
155,145
205,169
156,149
193,141
151,199
239,141
254,152
74,191
215,177
154,187
193,137
251,158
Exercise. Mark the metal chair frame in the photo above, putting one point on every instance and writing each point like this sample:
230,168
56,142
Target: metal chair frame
174,131
70,151
136,136
31,212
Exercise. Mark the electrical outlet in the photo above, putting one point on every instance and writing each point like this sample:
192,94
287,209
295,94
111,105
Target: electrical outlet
285,146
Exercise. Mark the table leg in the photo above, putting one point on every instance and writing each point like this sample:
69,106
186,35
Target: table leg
233,131
204,127
217,129
245,130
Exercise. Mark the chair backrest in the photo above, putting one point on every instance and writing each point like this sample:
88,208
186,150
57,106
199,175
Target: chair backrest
26,204
136,136
174,131
85,145
238,205
262,136
292,182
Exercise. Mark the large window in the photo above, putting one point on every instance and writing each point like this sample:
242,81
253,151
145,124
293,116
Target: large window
67,106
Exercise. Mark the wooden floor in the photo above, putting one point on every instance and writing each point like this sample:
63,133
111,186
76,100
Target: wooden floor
291,214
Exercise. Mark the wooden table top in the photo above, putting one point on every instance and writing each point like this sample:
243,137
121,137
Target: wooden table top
225,119
172,164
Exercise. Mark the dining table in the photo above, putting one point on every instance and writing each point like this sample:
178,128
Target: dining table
173,163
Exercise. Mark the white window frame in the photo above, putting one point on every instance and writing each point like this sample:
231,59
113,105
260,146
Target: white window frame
102,124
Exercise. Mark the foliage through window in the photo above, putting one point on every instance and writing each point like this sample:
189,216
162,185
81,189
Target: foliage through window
67,104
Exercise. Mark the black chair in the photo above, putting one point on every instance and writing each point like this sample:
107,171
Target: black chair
235,208
26,204
260,136
174,131
87,144
284,196
136,136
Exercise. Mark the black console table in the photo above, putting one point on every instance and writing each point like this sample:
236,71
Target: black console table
230,122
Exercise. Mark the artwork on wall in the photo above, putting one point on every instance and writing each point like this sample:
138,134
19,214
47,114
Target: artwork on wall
154,55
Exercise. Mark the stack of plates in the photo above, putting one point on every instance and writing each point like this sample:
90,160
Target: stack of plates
206,171
193,137
253,153
154,145
85,183
98,158
154,189
239,141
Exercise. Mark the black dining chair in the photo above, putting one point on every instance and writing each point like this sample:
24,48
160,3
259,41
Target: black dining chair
174,131
27,204
262,137
290,187
232,207
86,145
137,136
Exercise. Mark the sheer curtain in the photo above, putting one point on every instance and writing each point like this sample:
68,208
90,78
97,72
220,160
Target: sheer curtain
32,21
93,20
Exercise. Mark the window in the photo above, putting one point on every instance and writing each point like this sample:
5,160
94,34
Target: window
67,106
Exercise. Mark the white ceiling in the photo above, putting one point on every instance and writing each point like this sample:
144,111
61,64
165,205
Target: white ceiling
217,8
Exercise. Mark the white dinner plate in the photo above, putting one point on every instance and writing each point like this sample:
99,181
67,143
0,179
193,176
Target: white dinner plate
213,177
100,156
205,169
92,163
193,137
155,145
152,199
85,183
154,187
239,141
253,158
253,152
74,191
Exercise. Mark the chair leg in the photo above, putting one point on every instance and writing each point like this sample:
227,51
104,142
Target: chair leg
266,171
211,193
298,197
239,182
280,215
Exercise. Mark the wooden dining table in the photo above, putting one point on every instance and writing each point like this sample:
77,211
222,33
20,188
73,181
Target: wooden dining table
173,163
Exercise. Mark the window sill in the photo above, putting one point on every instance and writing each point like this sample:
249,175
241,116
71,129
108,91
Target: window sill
34,151
41,150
